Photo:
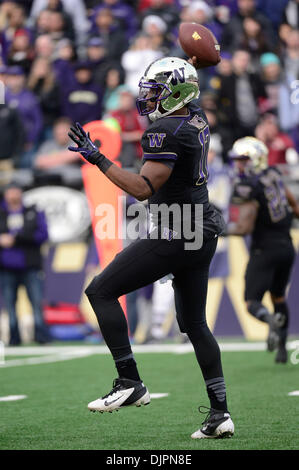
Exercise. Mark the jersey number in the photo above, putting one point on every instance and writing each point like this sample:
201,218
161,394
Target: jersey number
277,202
204,138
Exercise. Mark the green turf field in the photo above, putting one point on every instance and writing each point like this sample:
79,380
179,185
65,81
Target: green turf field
54,414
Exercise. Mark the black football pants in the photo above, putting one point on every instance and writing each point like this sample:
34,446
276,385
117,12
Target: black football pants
269,269
142,263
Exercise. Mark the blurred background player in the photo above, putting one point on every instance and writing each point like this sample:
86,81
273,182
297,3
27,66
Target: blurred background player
266,209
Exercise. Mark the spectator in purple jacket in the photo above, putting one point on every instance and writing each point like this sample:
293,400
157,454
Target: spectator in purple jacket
96,53
65,57
81,96
22,232
18,96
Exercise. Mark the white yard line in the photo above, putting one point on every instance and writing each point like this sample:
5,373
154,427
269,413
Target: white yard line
13,397
159,395
58,357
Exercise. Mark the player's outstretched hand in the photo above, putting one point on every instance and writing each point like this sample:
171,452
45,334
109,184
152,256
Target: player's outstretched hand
85,145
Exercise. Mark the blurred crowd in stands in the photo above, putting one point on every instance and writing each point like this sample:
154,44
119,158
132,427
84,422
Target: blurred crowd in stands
63,61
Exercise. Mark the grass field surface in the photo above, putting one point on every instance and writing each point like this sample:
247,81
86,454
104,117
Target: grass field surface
54,413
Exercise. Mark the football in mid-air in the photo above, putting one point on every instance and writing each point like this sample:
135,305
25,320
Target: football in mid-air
197,40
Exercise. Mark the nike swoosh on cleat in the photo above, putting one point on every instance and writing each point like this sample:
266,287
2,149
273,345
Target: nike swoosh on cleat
107,403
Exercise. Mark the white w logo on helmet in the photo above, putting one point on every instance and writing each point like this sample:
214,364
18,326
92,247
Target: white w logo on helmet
177,75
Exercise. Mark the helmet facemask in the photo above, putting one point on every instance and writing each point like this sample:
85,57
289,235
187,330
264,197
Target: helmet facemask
152,92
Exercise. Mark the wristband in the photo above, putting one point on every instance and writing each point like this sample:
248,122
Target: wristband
103,163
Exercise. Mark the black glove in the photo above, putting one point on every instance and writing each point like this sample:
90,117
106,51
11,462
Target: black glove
87,148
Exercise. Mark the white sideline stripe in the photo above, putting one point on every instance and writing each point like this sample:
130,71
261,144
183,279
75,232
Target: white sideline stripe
295,393
49,354
138,348
45,350
13,397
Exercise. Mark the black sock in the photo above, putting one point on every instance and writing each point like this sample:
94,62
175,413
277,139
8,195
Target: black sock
127,368
217,393
282,307
259,311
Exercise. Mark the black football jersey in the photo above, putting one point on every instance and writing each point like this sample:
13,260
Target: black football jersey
183,142
274,216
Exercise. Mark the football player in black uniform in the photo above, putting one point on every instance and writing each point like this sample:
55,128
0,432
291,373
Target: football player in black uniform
175,171
266,211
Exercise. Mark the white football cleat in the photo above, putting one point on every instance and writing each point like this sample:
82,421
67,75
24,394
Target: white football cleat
218,424
125,392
